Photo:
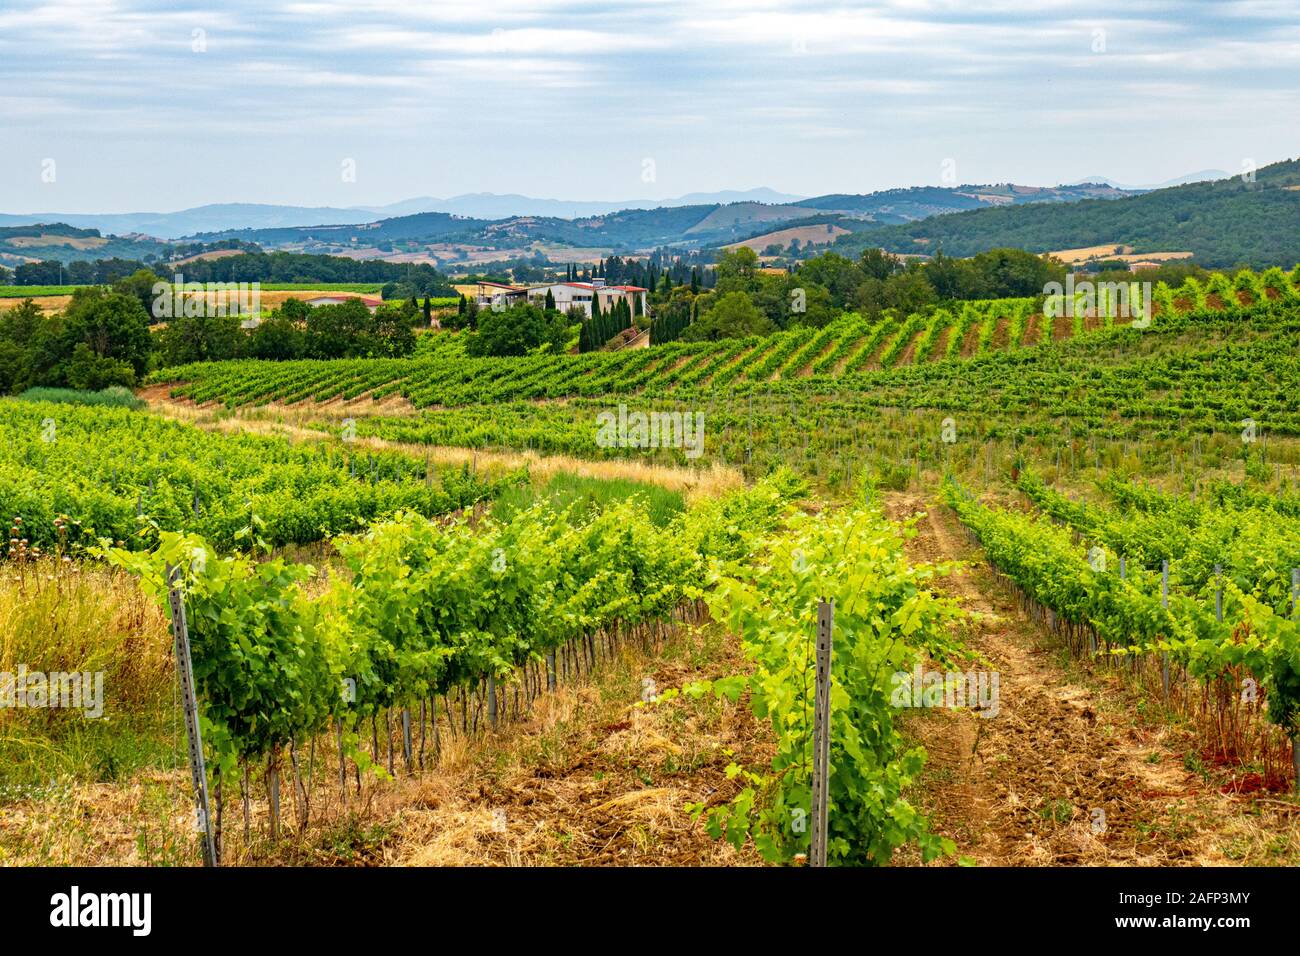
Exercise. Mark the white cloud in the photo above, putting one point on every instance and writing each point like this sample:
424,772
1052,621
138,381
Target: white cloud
710,80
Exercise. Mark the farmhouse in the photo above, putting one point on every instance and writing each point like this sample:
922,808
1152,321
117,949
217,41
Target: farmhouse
568,295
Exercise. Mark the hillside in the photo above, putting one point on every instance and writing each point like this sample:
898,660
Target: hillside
700,225
234,216
439,236
922,202
1222,223
65,243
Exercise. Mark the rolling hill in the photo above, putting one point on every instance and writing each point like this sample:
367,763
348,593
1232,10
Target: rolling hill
220,217
697,225
1222,223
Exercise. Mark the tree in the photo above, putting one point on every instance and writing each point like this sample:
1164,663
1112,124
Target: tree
952,278
28,349
201,338
519,330
550,301
294,310
879,264
140,284
93,372
1010,273
734,315
114,325
907,292
338,331
391,335
277,339
736,269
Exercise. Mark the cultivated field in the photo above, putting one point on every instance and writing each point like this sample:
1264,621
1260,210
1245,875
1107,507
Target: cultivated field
458,610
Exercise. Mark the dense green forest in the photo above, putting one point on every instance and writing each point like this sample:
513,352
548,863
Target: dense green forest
1222,223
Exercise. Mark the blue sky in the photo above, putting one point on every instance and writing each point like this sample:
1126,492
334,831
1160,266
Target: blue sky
149,105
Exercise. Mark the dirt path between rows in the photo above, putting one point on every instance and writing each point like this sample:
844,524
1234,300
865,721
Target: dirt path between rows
300,426
1067,772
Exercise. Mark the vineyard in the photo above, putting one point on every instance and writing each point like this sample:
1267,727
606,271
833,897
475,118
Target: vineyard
844,351
73,475
428,612
1215,624
419,583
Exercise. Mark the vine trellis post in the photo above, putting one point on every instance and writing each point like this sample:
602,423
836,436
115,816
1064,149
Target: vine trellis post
185,669
821,733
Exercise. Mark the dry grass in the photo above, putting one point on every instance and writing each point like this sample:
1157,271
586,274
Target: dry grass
78,618
583,777
297,424
1109,253
70,616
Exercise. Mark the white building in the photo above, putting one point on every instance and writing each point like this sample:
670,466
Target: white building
568,295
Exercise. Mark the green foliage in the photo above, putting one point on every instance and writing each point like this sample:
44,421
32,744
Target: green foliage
518,330
585,496
733,315
113,473
116,396
1258,632
886,621
426,606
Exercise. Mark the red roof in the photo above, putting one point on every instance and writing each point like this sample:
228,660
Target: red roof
629,288
370,303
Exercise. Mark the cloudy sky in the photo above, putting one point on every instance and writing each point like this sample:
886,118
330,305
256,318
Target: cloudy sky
151,105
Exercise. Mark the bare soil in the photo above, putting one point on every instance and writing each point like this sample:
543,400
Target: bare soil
1075,768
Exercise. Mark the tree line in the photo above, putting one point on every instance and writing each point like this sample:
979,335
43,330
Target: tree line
745,299
106,336
251,266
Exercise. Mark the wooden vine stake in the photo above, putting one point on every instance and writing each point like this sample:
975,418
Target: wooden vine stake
1164,602
821,732
189,700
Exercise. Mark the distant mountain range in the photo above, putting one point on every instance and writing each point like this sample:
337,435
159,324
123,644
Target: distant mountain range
450,238
223,217
454,238
1205,175
1219,219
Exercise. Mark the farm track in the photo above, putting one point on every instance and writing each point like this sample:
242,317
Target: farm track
1023,788
691,482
